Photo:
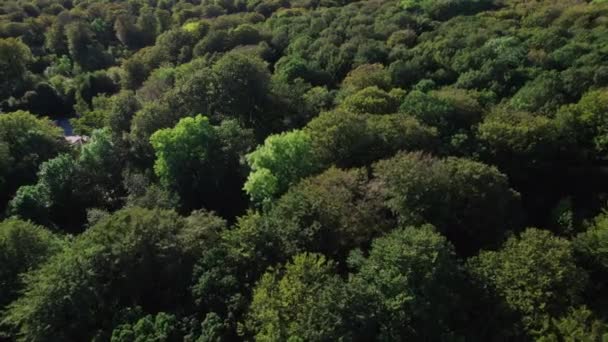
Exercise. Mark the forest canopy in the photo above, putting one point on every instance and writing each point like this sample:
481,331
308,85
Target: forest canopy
303,170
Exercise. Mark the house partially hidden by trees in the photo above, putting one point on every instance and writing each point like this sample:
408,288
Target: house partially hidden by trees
76,139
68,132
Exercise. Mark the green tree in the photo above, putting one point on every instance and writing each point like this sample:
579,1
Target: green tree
141,192
591,251
85,51
364,76
444,9
193,93
406,73
535,273
30,141
281,161
93,86
23,247
372,100
300,303
99,168
139,66
586,123
212,329
55,39
330,213
175,45
161,327
579,324
201,162
245,34
14,59
340,137
290,68
435,112
495,66
529,139
31,202
394,133
468,201
409,287
189,141
122,109
406,37
543,94
126,31
214,41
67,186
242,84
227,271
134,257
153,116
58,177
347,139
148,25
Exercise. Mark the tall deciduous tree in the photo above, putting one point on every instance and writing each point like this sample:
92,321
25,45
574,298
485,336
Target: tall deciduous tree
409,287
282,160
300,303
134,257
14,59
468,201
535,273
30,141
23,247
331,213
242,84
585,123
591,251
201,162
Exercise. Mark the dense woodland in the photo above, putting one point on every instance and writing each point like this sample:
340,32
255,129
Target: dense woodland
304,170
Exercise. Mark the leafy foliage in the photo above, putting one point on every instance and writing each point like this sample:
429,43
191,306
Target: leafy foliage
303,170
127,249
299,303
547,286
408,286
24,247
192,157
280,162
28,142
468,201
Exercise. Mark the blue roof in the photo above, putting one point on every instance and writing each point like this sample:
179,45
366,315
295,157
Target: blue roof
66,125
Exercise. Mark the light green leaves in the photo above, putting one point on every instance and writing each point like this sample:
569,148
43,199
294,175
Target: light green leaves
184,144
283,160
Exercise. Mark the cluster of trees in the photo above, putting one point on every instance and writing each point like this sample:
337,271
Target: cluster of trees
304,170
